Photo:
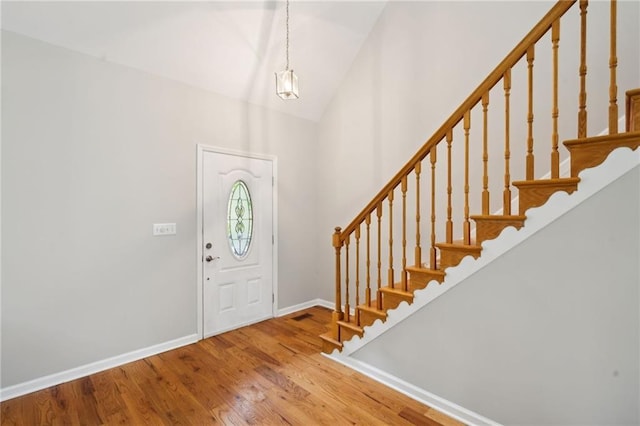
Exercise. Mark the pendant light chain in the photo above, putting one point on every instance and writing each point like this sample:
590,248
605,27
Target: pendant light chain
287,80
287,35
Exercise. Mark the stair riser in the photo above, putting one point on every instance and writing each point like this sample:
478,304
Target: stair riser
535,196
449,258
367,318
488,230
419,280
328,347
392,300
346,333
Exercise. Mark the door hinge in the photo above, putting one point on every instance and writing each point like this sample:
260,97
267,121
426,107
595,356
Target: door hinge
273,240
273,298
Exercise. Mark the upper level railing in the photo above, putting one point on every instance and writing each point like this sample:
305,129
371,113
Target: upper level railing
363,276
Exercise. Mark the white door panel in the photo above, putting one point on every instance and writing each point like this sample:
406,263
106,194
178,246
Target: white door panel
237,272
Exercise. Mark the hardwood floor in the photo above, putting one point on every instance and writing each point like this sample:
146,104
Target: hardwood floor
265,374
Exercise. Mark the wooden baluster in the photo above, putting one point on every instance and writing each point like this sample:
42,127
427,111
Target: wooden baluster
613,63
432,256
555,156
390,275
347,307
357,274
403,273
378,295
337,313
466,227
418,252
449,236
530,158
367,292
506,195
485,155
582,98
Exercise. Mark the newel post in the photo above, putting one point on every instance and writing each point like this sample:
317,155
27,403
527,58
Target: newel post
337,313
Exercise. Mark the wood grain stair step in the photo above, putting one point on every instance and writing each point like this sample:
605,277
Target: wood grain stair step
591,152
420,277
369,314
534,193
329,343
489,227
392,297
348,329
451,254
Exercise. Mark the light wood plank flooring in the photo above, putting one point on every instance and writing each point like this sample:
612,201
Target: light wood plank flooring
269,373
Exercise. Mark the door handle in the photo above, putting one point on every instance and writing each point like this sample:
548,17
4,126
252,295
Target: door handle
209,258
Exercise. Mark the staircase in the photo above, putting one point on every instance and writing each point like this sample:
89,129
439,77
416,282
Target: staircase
365,254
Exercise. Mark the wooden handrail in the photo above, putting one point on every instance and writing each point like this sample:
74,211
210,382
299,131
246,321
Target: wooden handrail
538,31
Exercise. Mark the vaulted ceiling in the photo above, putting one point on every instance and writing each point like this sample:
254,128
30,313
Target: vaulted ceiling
229,47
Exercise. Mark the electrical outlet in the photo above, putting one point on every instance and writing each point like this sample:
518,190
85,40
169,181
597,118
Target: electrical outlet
164,229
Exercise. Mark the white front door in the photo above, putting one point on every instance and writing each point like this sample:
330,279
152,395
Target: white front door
237,239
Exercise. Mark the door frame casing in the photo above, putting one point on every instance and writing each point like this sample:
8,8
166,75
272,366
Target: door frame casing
201,150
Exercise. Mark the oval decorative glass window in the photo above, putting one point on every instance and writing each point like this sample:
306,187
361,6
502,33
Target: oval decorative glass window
239,219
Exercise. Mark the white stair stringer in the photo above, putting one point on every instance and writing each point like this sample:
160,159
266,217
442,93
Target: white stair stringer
617,164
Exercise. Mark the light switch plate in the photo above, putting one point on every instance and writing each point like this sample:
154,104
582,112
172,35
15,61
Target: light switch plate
164,229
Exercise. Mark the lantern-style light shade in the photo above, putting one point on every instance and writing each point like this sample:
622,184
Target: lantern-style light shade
287,84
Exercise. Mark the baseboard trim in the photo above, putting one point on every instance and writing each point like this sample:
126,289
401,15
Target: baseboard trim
444,406
92,368
305,305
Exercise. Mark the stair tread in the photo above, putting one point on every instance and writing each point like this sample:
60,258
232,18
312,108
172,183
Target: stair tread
460,245
426,270
397,291
547,182
498,217
620,137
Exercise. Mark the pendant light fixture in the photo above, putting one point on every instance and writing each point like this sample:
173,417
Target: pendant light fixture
287,80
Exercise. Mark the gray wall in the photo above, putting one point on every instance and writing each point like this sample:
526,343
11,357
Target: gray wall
547,334
92,155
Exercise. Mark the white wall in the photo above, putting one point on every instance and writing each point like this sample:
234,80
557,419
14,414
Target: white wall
547,334
94,154
420,62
